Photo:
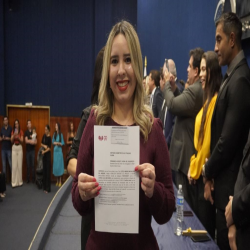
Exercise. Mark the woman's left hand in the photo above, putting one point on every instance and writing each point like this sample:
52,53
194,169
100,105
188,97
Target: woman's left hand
208,188
147,174
190,179
232,237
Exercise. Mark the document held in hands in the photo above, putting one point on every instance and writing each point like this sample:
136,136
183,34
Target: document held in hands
116,154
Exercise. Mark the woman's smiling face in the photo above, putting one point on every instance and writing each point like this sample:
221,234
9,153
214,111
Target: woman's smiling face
121,74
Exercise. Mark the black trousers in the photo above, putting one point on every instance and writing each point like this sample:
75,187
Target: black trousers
2,183
194,196
222,230
30,161
46,172
85,229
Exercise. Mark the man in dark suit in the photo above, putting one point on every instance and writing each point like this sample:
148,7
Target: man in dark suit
156,98
237,210
185,106
230,122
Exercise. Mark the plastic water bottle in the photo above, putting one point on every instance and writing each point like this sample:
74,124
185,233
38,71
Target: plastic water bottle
179,211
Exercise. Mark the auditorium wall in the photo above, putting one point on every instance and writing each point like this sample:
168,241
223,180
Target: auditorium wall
1,61
50,49
169,29
246,48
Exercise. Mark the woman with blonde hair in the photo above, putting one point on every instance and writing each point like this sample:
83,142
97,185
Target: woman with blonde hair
121,103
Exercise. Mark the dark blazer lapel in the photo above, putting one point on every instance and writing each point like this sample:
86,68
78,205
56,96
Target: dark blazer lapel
155,94
246,150
243,61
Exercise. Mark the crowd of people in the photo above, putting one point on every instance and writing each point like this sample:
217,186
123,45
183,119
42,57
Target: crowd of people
12,140
204,124
194,133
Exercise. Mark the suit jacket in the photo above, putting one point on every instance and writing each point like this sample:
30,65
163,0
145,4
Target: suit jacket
169,127
241,201
180,86
185,106
168,123
229,130
157,102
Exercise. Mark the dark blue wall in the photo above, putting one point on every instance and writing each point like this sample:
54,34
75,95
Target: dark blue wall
246,48
50,55
108,13
50,49
169,29
1,61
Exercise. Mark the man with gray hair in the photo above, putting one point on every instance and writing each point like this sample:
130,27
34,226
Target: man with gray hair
173,71
167,118
173,77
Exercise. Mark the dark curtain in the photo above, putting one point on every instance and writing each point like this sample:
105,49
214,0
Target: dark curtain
50,48
2,108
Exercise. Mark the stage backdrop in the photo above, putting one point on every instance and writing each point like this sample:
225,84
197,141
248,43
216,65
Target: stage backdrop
169,29
2,106
50,50
48,47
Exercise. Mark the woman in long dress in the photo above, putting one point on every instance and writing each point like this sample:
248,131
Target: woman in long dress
70,137
17,155
46,144
58,164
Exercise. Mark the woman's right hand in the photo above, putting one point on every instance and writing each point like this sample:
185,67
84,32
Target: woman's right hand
88,187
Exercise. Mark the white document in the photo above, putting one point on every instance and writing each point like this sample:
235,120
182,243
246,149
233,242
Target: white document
116,154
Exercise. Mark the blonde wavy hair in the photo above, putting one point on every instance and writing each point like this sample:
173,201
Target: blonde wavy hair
143,115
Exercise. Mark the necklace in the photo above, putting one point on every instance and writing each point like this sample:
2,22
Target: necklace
126,122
